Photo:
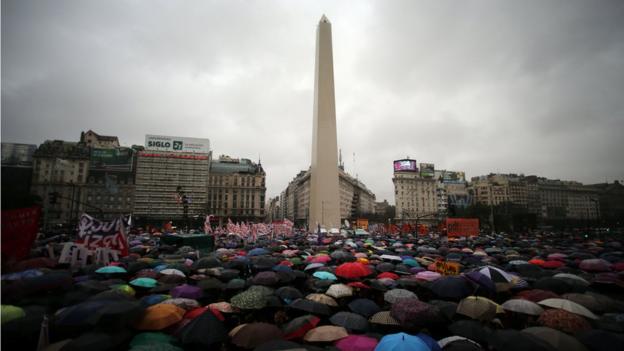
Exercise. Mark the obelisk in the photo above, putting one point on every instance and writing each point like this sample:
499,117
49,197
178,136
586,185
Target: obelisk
324,190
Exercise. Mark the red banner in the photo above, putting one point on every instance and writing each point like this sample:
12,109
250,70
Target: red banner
19,231
462,227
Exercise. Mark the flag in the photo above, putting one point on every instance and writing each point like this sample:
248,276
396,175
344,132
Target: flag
19,231
94,233
207,227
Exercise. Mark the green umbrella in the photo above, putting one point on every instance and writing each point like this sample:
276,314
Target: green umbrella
157,347
110,269
249,300
296,260
10,312
149,338
144,282
124,288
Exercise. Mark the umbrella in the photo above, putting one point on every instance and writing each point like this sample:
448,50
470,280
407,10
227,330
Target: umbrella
249,300
288,293
452,288
10,313
458,343
477,307
497,275
383,318
79,315
428,276
595,265
598,340
110,270
325,333
563,320
364,307
512,340
339,290
312,266
96,341
557,339
350,321
153,299
235,284
144,282
207,262
356,343
187,304
210,284
324,275
537,295
413,312
401,342
310,307
388,275
297,327
151,338
173,271
194,333
352,270
471,329
555,285
395,295
279,345
223,307
187,291
322,298
572,279
523,306
255,334
591,302
160,316
27,274
385,267
569,306
259,251
481,280
266,278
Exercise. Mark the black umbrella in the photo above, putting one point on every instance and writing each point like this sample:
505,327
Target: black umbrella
266,278
364,307
23,333
207,262
597,340
310,307
384,267
512,340
471,329
277,345
203,331
555,285
288,293
452,288
412,312
98,341
210,284
447,308
350,321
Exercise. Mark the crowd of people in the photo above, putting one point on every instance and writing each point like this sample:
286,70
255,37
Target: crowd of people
529,291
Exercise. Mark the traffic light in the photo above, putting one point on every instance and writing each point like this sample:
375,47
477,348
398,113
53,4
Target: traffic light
52,198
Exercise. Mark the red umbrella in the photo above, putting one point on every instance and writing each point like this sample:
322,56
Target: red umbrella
388,275
359,285
537,295
352,270
537,261
356,343
563,320
553,264
595,265
299,326
618,266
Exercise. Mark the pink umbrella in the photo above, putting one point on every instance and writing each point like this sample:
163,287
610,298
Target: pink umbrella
320,259
356,343
428,275
595,265
557,256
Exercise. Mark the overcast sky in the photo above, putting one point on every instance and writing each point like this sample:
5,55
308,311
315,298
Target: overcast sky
534,87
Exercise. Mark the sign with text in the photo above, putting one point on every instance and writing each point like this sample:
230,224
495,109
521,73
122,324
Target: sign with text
447,268
19,231
462,227
94,233
405,165
177,144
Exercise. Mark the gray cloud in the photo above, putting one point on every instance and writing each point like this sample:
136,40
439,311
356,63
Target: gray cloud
532,87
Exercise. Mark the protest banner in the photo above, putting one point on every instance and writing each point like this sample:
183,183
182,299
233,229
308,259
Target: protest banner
19,231
462,227
447,268
94,233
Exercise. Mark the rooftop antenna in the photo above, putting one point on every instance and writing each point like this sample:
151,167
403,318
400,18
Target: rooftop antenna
354,168
340,164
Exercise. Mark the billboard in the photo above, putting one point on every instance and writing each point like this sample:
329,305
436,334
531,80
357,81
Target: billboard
111,159
427,170
405,165
462,227
451,176
176,144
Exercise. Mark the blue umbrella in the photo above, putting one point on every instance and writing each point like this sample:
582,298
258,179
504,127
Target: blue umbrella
401,342
431,342
30,273
282,268
258,252
111,269
153,299
144,282
411,262
324,275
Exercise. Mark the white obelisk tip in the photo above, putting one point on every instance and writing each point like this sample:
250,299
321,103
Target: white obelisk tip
324,19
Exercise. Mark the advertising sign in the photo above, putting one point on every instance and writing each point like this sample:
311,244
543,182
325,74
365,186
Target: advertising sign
427,170
451,176
176,144
462,227
114,159
405,165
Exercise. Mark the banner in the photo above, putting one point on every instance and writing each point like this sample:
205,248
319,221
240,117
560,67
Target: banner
462,227
19,231
94,233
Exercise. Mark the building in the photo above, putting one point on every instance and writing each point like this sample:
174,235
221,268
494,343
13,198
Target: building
611,199
415,194
273,209
110,183
171,180
60,170
325,193
382,207
92,139
236,190
355,198
17,168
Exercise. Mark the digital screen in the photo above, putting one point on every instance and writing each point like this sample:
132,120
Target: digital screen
405,165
